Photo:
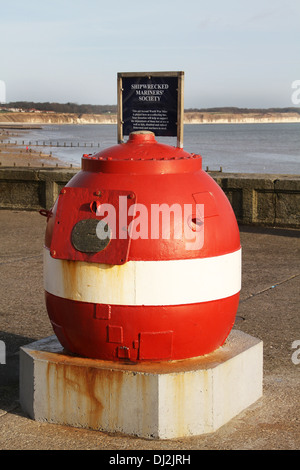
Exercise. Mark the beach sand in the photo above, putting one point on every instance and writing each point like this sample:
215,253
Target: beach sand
12,154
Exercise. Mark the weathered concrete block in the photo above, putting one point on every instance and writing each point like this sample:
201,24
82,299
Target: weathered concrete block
264,207
22,193
31,189
287,201
156,400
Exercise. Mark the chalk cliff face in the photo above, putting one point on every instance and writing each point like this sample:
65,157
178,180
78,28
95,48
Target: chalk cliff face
219,118
56,118
189,118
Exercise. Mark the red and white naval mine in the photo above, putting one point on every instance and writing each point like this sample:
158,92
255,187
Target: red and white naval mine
134,294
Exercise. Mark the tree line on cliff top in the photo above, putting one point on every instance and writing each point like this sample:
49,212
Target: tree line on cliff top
75,108
72,108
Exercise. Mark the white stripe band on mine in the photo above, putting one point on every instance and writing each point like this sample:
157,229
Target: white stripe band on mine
173,282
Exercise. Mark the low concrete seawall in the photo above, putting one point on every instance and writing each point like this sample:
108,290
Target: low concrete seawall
263,199
257,199
32,188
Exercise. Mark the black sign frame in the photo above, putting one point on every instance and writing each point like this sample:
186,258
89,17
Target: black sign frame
151,101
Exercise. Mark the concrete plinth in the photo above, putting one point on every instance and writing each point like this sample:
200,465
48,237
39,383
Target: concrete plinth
158,400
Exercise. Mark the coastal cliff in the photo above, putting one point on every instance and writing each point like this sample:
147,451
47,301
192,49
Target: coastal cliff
56,118
242,118
189,118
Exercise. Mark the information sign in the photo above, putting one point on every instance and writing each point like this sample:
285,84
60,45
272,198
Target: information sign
151,101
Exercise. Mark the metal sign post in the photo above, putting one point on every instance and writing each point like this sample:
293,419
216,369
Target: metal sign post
151,101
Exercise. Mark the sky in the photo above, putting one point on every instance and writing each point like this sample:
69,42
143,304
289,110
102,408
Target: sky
232,52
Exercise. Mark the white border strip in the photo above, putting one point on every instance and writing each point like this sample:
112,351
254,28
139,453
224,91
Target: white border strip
173,282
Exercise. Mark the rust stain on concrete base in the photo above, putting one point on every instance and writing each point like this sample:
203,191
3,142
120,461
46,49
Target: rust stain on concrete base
152,400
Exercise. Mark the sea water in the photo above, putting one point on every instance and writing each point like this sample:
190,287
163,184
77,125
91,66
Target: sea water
238,148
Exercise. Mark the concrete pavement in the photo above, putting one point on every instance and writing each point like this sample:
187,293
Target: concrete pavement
269,310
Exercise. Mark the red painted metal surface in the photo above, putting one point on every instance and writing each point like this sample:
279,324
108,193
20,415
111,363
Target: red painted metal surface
81,204
144,332
148,173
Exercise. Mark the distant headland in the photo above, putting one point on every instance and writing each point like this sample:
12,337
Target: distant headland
72,113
